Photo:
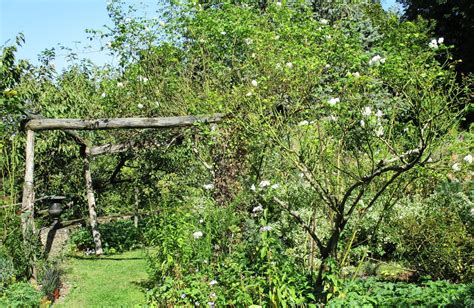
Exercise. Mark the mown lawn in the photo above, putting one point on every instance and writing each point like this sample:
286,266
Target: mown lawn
108,281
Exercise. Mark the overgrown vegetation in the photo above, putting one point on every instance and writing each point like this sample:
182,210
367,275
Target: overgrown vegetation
340,156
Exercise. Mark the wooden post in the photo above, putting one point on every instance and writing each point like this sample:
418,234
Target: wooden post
91,203
137,203
28,202
27,205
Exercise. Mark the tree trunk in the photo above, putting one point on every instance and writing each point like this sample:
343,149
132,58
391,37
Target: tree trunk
91,204
137,203
28,202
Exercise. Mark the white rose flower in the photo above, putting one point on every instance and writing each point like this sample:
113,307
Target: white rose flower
257,209
208,186
253,188
468,158
333,101
441,40
367,111
254,83
213,282
456,167
197,234
140,106
433,44
264,184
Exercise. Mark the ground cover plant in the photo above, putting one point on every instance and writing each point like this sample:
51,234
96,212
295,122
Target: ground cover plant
340,156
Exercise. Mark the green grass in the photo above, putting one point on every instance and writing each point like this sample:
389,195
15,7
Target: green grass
108,281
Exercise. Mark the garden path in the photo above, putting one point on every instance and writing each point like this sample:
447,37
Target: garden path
108,281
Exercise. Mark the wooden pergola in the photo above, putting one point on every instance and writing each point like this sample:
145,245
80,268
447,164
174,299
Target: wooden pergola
69,126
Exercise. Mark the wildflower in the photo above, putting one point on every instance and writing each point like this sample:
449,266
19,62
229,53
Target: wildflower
197,235
277,37
333,101
223,32
183,296
362,123
208,186
103,95
264,184
140,106
379,131
278,3
468,158
142,79
433,44
248,41
367,111
441,40
356,74
456,167
213,282
254,83
278,66
332,118
376,60
119,84
253,188
248,94
211,304
257,209
303,123
275,186
289,64
266,229
324,21
327,66
253,55
197,304
201,221
379,113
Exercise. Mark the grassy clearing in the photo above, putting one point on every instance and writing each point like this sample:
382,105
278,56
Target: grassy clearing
109,281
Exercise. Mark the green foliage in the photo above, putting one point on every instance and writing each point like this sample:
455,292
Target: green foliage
373,293
7,269
50,277
434,235
20,294
117,236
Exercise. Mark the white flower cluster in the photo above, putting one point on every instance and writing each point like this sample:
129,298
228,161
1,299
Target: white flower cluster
434,44
333,101
208,186
197,235
266,229
457,166
376,60
264,184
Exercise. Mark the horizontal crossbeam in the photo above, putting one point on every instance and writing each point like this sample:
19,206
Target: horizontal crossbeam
120,123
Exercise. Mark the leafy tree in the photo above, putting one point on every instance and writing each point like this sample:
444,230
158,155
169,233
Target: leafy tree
454,20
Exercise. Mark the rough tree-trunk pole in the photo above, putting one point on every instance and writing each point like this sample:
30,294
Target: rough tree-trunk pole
91,203
137,202
28,200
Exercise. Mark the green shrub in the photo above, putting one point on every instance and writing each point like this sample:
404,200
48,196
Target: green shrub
7,269
434,235
20,294
116,236
373,293
50,278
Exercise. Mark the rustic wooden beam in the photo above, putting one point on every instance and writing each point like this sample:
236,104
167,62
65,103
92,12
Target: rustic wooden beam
28,199
91,203
116,123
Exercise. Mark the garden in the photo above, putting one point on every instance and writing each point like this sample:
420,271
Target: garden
242,154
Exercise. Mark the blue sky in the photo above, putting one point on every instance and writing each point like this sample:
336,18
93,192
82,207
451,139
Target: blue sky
45,23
